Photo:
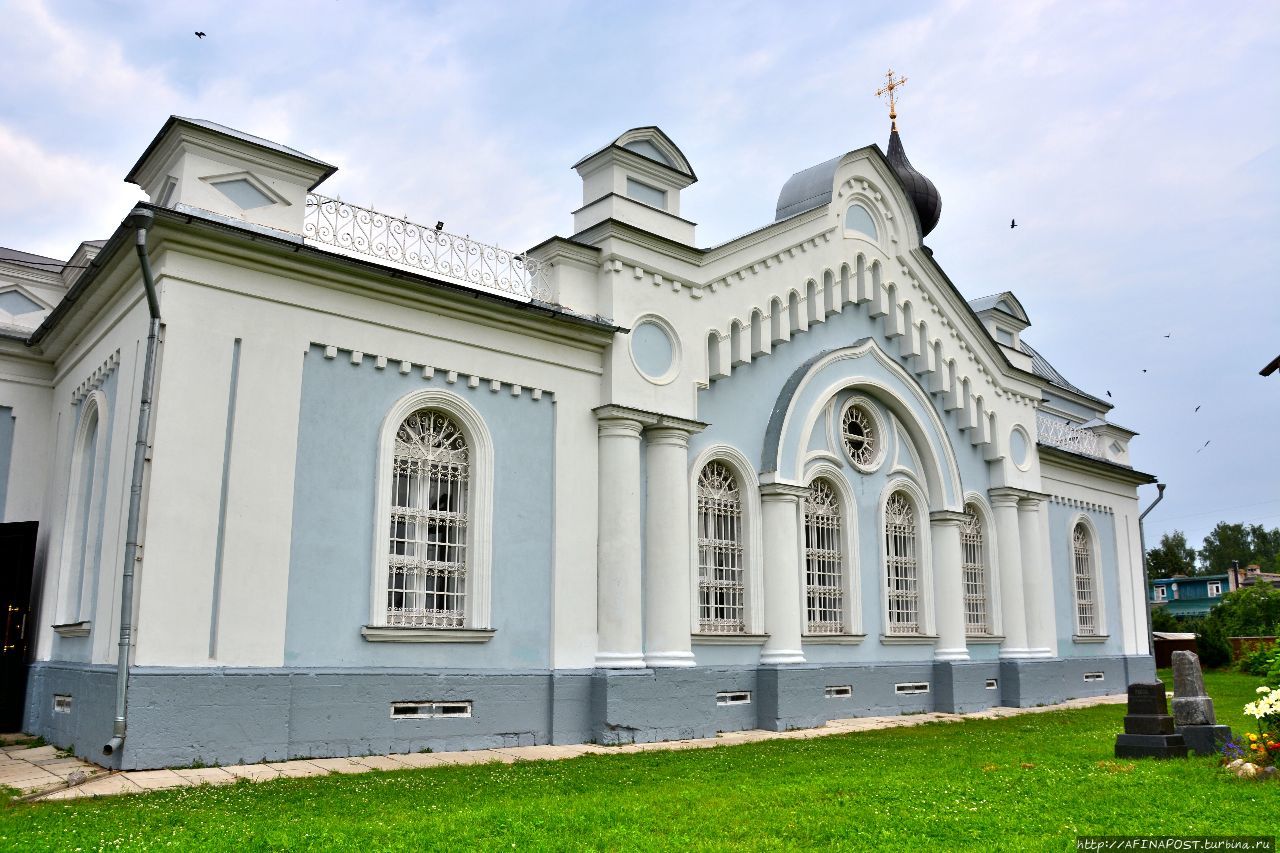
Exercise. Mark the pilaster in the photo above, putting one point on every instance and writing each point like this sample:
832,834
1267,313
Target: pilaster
780,508
667,571
1037,578
618,628
1004,505
948,585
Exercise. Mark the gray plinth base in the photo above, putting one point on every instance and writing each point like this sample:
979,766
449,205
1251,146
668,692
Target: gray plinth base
1205,740
1150,746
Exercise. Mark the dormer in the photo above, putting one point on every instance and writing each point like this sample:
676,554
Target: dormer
636,179
1004,318
200,164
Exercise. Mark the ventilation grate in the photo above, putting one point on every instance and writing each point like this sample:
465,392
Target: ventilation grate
1094,676
839,691
431,710
992,684
734,697
61,703
908,687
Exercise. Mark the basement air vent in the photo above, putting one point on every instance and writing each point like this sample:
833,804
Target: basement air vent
992,684
429,710
736,697
912,687
61,703
1094,676
839,691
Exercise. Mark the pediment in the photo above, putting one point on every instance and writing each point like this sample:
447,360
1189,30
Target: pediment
16,301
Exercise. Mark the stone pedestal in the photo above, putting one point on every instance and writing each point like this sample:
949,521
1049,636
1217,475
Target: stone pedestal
1148,728
1205,740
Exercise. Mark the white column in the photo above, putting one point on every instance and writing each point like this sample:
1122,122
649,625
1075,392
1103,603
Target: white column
619,640
780,507
1037,581
948,584
667,581
1008,562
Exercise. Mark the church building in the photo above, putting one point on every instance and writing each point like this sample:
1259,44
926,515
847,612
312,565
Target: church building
397,489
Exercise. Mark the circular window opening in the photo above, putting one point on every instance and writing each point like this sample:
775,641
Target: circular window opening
861,434
654,351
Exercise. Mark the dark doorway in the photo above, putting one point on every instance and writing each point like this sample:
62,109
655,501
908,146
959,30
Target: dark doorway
17,561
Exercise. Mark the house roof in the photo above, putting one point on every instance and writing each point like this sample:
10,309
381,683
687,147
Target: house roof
1041,367
1012,306
680,163
15,256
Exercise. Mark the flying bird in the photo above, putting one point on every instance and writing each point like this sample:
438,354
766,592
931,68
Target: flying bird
1144,370
1206,444
1013,223
1197,409
1108,393
1169,335
199,34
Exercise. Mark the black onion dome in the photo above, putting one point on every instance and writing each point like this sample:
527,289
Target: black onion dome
923,194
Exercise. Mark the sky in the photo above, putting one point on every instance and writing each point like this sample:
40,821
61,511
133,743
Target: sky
1137,145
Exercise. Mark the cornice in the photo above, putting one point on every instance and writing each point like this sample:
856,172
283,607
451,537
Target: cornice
1099,467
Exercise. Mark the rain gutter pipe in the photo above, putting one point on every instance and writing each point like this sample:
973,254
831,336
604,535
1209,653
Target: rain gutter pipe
1146,580
142,220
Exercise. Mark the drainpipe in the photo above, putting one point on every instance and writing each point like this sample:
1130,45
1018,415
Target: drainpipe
1146,581
141,219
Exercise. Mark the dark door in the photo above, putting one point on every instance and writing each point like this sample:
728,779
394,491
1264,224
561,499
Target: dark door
17,560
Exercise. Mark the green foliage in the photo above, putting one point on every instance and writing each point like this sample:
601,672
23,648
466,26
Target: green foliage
1171,557
1252,611
1260,660
1240,543
1163,620
1214,649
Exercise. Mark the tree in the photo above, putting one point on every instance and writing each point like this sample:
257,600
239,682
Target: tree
1253,611
1171,557
1225,544
1265,545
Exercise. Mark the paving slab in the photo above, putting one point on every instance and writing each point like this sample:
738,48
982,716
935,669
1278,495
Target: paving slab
382,762
156,779
34,753
253,772
419,759
104,787
299,768
545,752
206,775
477,756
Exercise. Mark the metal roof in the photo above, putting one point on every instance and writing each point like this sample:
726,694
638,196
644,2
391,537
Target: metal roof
807,189
53,264
1042,368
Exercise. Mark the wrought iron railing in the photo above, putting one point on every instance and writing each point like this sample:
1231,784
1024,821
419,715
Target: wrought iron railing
336,225
1065,436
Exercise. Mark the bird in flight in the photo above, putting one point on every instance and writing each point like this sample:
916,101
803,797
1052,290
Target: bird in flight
1144,370
199,34
1108,393
1013,223
1206,444
1197,409
1169,335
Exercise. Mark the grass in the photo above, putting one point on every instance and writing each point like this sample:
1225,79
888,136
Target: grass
1034,781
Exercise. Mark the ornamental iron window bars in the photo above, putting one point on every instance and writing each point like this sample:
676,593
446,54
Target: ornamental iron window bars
348,229
902,565
721,576
824,582
859,436
426,564
1086,606
974,566
1068,437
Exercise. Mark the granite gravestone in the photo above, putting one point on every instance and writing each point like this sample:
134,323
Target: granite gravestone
1193,714
1148,728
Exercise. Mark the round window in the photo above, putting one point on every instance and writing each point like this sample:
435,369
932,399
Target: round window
860,433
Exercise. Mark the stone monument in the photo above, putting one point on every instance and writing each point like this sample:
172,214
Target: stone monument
1193,714
1148,728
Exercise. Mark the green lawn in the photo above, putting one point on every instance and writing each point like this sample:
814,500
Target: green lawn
1034,781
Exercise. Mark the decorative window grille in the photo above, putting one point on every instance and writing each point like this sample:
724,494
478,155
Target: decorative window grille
976,620
721,577
824,581
902,565
427,562
858,432
1086,606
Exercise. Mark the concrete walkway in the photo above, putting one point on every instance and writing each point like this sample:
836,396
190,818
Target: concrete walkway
43,773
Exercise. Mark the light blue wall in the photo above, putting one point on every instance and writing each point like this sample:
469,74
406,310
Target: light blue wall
1061,522
341,413
738,410
6,454
651,347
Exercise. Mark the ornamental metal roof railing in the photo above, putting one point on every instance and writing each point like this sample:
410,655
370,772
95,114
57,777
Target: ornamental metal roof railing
360,232
1068,437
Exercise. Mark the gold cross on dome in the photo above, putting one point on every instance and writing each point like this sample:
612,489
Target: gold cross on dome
888,90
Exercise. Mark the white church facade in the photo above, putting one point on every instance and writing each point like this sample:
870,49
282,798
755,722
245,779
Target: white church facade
402,490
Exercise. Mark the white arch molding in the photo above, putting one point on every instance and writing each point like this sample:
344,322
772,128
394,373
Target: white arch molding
832,473
753,536
924,554
479,507
75,599
990,549
1095,568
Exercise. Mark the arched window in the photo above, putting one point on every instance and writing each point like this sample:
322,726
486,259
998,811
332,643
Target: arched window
977,618
721,572
823,562
427,558
84,515
902,565
1086,598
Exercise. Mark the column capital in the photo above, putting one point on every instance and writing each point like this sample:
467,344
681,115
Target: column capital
782,492
612,412
618,426
943,517
665,435
1030,502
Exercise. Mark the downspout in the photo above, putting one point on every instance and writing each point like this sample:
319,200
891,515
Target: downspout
142,220
1146,581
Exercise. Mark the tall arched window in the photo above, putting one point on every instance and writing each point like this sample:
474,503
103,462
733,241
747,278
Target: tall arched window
902,565
427,558
1086,598
824,575
84,515
977,619
721,572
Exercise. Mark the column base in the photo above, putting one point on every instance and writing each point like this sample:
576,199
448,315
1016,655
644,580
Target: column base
1015,654
658,660
960,654
620,660
778,656
1040,653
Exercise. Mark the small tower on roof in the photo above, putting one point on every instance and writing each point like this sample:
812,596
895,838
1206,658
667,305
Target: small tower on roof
636,179
924,195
